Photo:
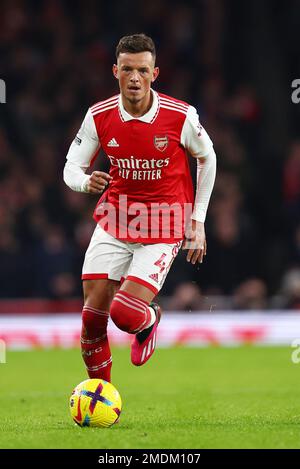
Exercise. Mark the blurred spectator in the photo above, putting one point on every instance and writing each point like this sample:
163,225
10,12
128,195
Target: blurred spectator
291,184
232,252
250,295
187,297
55,266
291,175
15,267
291,288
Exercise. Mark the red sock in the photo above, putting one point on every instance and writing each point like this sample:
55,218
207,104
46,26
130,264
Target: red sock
95,348
130,314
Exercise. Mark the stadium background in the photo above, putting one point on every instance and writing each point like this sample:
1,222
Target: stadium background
235,62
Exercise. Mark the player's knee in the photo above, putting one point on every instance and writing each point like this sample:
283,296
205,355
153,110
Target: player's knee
122,316
88,320
93,319
99,292
119,316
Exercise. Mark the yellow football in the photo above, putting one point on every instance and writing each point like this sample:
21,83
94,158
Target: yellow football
95,403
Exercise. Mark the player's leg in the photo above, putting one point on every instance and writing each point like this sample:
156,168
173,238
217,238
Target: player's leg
132,309
137,315
105,262
129,310
95,349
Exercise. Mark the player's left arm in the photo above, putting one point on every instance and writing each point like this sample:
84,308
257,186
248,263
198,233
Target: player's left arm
196,140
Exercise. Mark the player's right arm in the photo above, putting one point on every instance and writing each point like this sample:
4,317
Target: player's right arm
80,157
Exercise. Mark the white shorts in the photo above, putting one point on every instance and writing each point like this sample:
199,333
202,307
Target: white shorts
146,264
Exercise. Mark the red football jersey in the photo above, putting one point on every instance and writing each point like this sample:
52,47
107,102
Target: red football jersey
151,193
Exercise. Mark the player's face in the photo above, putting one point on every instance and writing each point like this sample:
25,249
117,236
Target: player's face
135,73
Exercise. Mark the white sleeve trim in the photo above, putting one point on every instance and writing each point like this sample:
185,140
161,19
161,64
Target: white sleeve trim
206,174
80,154
193,136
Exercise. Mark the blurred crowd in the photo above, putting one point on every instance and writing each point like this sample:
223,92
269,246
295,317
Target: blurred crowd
233,64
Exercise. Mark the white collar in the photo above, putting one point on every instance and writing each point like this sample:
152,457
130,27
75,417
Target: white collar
148,117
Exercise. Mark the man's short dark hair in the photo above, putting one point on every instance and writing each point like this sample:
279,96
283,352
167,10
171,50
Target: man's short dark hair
136,43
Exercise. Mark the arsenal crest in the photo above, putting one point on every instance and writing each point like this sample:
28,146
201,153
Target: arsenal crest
161,142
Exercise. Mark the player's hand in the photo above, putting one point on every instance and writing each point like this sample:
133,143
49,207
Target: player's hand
195,242
98,182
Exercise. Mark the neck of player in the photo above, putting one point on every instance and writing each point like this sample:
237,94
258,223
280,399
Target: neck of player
139,108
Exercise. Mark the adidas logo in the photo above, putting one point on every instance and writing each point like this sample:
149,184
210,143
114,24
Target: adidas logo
154,277
113,143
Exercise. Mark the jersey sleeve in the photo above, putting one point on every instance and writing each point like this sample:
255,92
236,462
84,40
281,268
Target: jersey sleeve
81,153
206,174
196,140
193,136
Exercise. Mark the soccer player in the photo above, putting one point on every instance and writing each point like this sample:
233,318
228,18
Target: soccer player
147,208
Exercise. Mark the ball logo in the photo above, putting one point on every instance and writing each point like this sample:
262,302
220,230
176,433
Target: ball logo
161,142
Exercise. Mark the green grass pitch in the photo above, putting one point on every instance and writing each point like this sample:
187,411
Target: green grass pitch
245,397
